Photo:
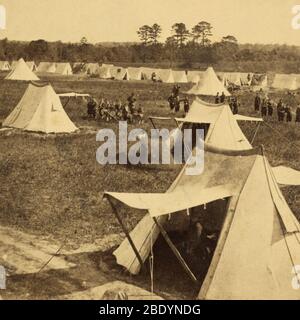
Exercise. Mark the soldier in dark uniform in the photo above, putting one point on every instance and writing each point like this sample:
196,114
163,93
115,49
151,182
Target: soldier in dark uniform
171,101
177,104
131,101
217,98
280,111
186,105
257,102
297,114
235,106
223,97
288,114
176,90
270,108
91,108
264,108
153,77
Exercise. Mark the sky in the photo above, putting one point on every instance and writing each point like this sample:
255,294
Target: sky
250,21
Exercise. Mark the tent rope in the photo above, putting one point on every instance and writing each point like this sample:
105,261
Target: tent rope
255,133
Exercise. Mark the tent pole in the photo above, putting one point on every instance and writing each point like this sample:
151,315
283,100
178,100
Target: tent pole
175,251
126,232
152,122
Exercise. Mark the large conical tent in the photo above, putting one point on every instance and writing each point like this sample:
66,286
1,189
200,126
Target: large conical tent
285,81
222,123
22,72
210,85
40,110
258,237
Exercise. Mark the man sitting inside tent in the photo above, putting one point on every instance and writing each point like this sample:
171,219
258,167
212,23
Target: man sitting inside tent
297,114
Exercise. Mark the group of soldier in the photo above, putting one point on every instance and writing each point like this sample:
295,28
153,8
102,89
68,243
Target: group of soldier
232,101
175,101
266,107
115,111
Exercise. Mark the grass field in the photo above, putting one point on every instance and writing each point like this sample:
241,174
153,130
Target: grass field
52,185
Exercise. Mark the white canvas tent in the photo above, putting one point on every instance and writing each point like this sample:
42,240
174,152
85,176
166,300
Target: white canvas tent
104,73
258,242
209,86
91,68
4,66
63,68
180,76
134,74
40,110
259,82
46,67
119,73
195,76
285,81
21,72
31,65
224,131
165,75
148,72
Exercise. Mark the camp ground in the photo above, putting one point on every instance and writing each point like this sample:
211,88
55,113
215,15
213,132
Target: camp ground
149,159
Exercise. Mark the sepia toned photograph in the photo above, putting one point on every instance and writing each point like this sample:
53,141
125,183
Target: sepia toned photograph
149,150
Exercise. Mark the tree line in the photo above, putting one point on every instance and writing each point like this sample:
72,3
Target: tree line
183,48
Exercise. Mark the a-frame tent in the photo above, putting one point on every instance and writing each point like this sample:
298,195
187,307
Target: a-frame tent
165,75
180,76
210,85
222,123
63,68
258,236
40,110
285,81
4,66
21,72
104,73
134,74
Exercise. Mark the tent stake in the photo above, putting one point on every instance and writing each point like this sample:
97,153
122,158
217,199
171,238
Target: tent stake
175,251
126,232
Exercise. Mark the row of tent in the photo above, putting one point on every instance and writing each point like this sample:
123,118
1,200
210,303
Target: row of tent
109,71
62,68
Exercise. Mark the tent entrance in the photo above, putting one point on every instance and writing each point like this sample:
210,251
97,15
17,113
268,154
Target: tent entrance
195,235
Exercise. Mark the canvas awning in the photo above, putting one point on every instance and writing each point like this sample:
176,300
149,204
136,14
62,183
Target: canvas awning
240,117
159,204
73,94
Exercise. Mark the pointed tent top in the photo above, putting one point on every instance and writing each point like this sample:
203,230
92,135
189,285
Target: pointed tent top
210,85
40,110
21,72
